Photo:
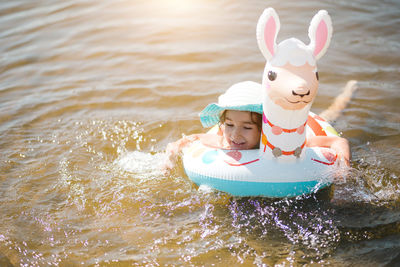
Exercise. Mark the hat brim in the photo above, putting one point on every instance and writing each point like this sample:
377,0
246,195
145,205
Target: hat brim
210,115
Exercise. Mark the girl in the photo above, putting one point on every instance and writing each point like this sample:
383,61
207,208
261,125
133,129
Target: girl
239,116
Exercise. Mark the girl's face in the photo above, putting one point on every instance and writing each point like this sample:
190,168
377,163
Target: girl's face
240,131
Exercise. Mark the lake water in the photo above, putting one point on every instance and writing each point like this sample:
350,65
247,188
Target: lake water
92,91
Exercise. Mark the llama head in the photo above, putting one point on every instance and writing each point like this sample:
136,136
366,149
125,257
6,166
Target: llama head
290,77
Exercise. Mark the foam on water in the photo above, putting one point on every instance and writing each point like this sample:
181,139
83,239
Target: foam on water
143,165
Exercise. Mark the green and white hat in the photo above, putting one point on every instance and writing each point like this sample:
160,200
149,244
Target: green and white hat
244,96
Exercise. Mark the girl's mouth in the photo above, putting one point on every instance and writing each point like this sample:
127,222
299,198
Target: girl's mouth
237,144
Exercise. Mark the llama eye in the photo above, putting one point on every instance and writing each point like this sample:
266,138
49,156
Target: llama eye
271,75
316,74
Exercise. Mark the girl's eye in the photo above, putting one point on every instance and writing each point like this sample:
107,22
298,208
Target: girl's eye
316,74
271,75
248,128
228,124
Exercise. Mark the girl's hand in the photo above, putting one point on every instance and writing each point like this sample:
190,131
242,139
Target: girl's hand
339,144
174,149
171,154
342,148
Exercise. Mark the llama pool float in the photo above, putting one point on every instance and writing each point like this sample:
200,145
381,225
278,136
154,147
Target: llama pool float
283,166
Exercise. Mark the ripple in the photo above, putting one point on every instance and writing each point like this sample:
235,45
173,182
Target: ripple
91,93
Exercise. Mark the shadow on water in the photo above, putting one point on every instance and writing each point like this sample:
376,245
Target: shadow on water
305,224
367,211
318,228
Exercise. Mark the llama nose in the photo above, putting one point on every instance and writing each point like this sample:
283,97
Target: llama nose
300,94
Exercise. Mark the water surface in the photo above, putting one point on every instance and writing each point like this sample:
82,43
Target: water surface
92,91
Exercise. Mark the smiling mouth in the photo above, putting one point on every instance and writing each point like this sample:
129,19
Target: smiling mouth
233,143
238,144
296,102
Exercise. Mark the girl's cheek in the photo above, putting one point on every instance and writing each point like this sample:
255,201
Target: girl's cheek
226,133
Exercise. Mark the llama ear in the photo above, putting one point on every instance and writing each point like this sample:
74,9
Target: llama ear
267,29
320,33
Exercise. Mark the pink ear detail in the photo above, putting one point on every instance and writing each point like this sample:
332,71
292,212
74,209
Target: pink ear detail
269,34
321,37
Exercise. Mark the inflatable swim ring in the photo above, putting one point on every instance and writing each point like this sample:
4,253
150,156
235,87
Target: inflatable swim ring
282,166
248,173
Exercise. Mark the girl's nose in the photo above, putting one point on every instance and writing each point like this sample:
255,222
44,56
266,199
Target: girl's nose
235,134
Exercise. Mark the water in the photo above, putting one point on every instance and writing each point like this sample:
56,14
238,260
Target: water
92,91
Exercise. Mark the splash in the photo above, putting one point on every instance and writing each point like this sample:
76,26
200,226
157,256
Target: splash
142,165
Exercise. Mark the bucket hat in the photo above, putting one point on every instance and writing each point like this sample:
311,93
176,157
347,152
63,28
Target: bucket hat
243,96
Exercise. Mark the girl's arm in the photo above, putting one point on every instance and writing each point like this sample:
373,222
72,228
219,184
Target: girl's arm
173,149
339,144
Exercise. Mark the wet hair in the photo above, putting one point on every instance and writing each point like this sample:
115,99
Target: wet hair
256,118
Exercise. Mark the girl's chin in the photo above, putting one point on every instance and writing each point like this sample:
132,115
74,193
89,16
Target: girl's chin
238,146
